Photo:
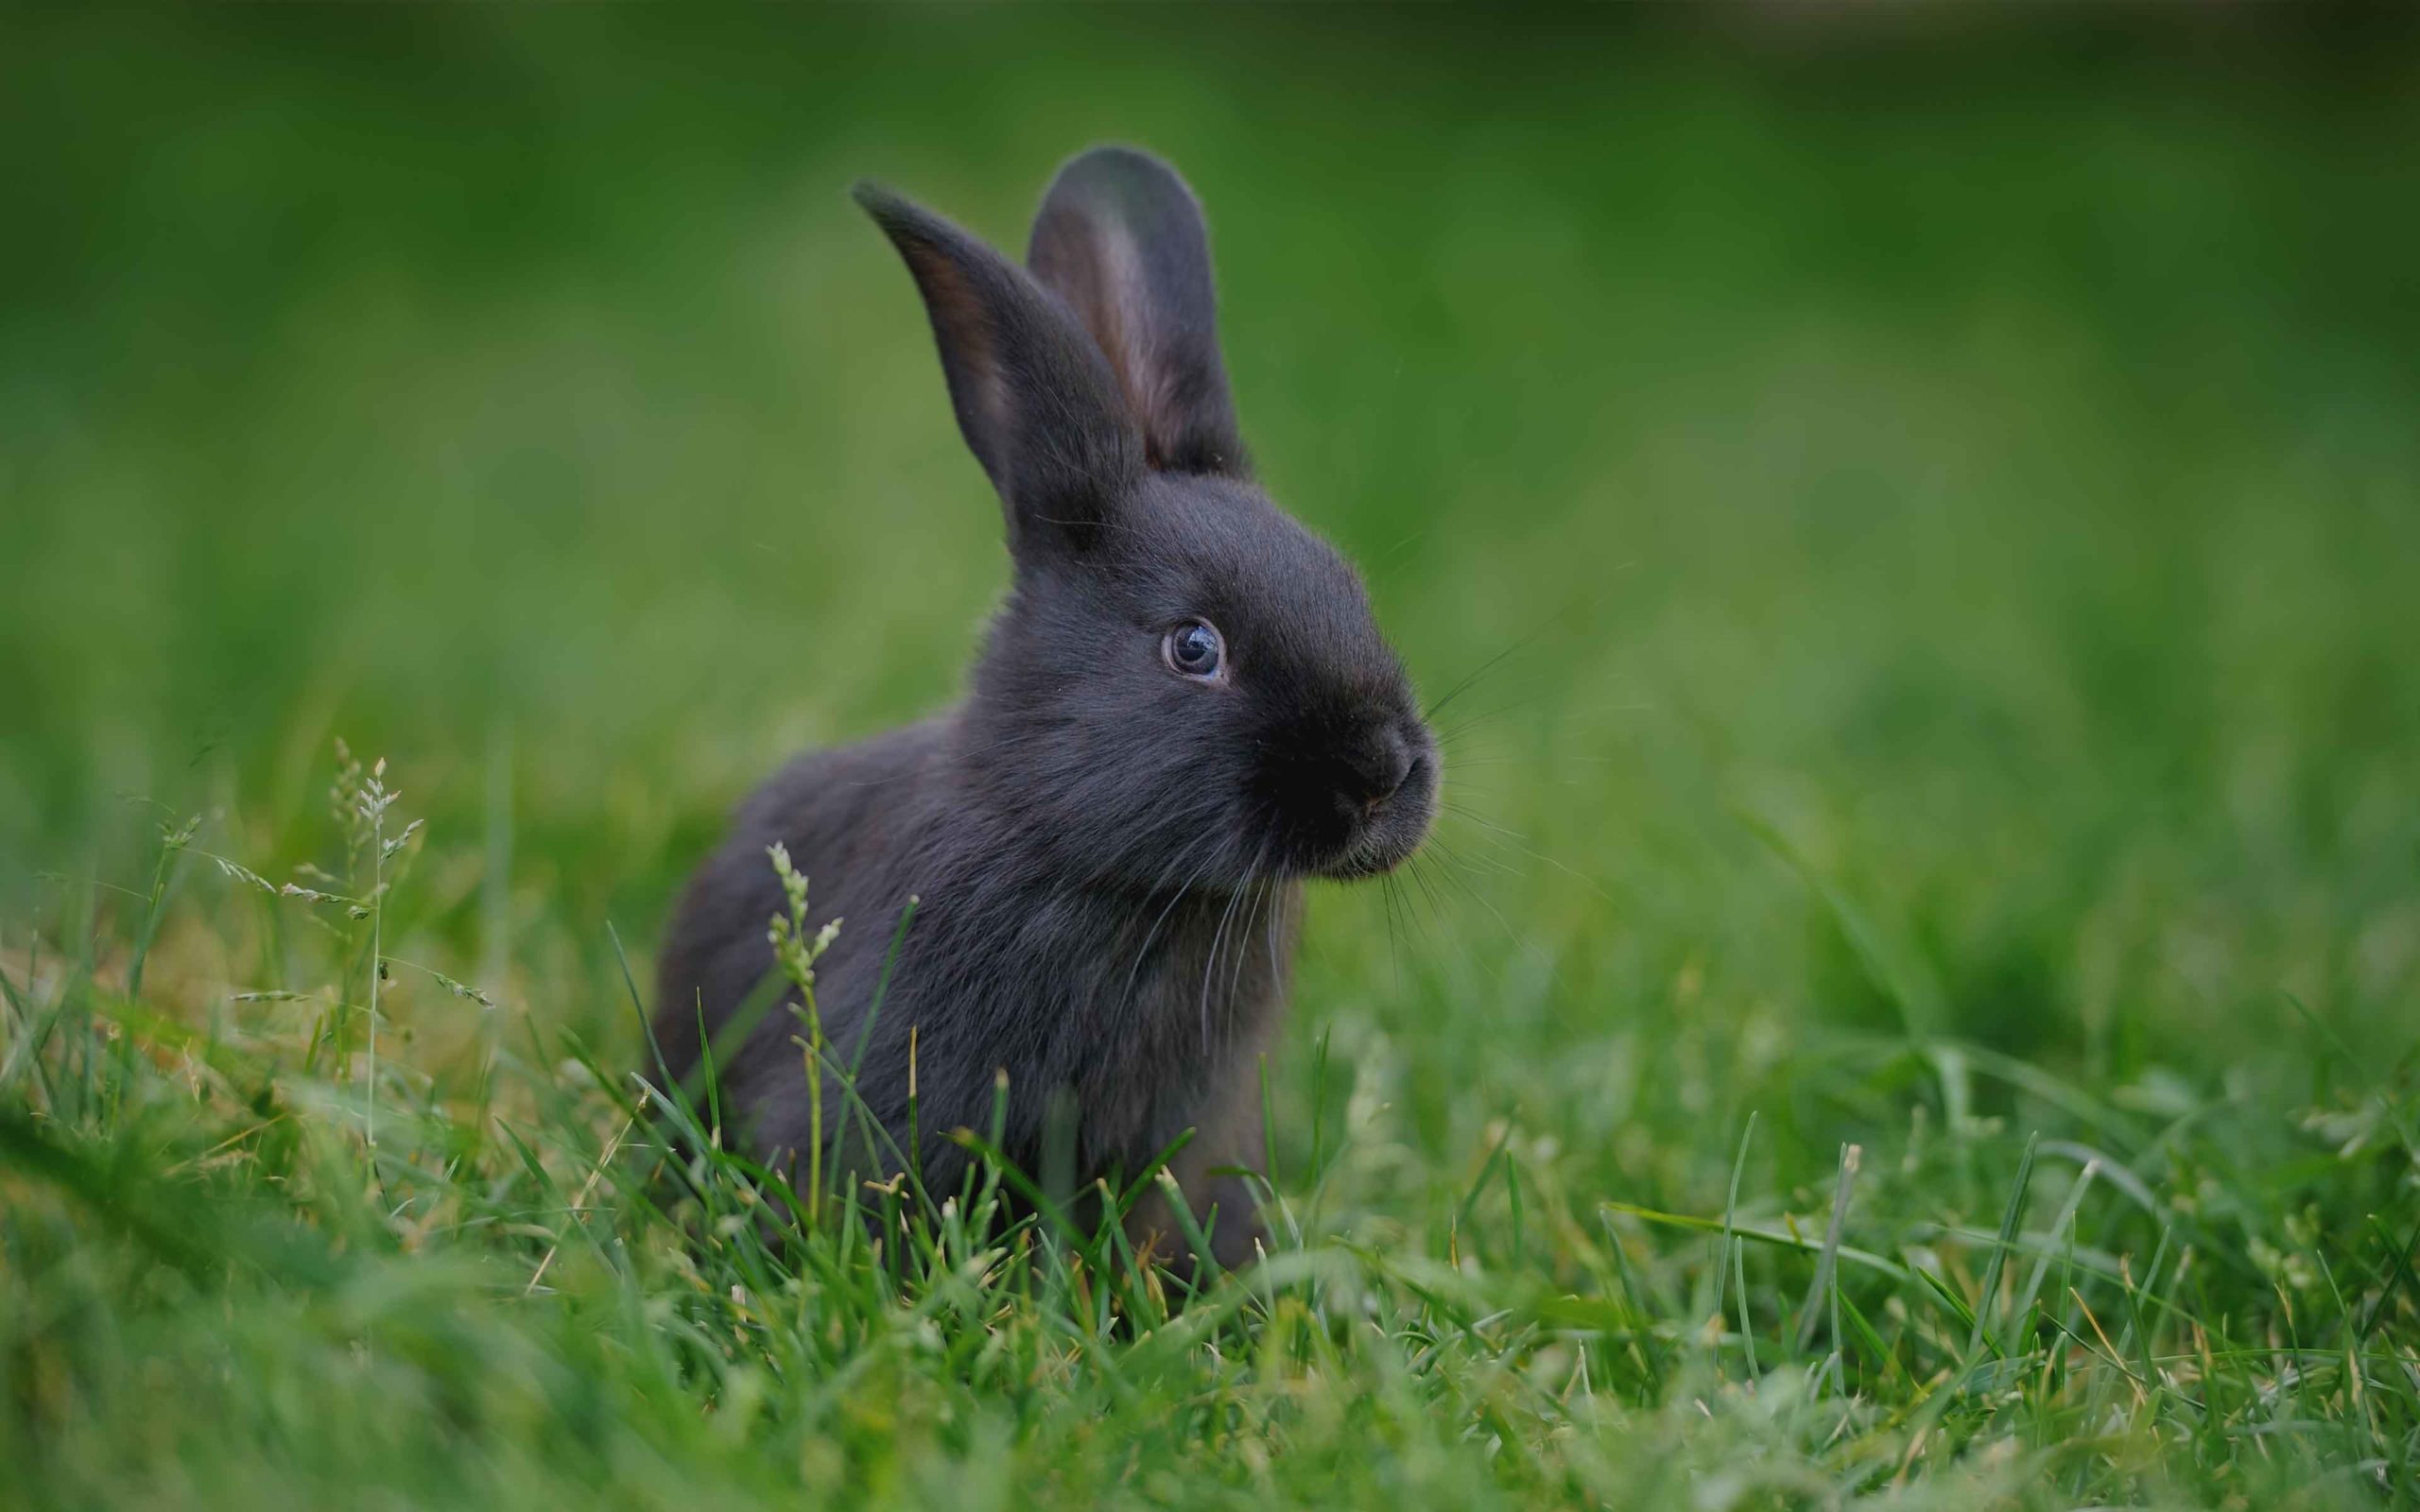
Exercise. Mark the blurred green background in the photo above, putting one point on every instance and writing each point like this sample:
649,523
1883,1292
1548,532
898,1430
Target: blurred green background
1952,478
1935,494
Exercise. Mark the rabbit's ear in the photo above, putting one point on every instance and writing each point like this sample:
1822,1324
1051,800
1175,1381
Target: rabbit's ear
1120,239
1035,399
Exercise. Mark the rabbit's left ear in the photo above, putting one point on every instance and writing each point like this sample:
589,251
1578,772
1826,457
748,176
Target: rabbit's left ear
1035,400
1120,239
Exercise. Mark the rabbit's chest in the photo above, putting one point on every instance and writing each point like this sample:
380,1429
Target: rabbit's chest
1133,1026
1148,1044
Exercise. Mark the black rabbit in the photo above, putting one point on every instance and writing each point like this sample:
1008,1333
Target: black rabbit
1181,710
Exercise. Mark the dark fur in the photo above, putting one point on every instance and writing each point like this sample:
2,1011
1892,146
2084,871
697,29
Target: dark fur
1109,856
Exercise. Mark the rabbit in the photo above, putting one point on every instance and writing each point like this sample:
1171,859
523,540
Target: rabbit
1182,711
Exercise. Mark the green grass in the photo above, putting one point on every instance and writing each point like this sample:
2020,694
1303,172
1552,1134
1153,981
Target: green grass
1916,1002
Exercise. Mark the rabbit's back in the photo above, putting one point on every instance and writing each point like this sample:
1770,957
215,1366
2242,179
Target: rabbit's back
850,818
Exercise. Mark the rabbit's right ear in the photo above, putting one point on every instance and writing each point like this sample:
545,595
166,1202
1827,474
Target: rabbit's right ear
1120,238
1035,398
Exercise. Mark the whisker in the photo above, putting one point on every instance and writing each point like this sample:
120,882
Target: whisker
1419,874
1243,944
1472,721
1394,945
1392,552
1520,842
1526,641
1483,670
1209,966
1513,936
1276,973
1419,880
1126,996
1458,859
1243,936
1471,892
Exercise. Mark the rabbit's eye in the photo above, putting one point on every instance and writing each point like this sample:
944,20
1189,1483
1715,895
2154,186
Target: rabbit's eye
1195,649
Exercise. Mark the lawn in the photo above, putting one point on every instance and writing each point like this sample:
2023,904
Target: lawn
1915,1001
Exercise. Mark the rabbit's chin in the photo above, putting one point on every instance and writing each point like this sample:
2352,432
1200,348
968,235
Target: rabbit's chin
1390,839
1361,863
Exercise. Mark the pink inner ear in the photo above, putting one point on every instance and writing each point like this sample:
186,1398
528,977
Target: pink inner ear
970,340
1126,336
1100,272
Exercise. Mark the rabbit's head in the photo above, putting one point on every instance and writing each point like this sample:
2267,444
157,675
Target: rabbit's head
1184,687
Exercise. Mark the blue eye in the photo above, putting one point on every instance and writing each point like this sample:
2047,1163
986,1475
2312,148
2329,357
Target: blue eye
1195,649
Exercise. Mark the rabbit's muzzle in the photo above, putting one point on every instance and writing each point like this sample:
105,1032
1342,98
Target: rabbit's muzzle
1365,806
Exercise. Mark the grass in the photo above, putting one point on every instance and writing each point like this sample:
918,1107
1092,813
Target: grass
1916,1001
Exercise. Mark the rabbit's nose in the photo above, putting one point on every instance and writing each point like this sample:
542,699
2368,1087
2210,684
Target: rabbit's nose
1380,769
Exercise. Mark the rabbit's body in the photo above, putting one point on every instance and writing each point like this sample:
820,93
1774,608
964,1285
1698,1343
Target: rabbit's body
1147,1007
1181,710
